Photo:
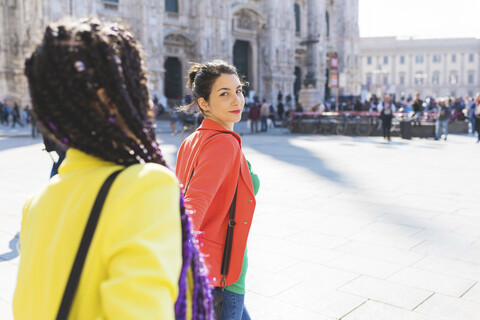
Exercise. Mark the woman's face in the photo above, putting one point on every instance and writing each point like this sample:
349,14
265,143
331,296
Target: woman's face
226,101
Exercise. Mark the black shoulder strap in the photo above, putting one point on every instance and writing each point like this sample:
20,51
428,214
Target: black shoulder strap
227,249
77,268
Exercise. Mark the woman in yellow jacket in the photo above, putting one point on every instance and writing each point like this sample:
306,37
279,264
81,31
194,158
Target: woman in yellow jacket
88,88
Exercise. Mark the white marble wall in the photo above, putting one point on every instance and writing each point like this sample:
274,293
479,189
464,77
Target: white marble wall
202,30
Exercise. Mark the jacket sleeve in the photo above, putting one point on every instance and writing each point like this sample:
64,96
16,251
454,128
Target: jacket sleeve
214,164
142,250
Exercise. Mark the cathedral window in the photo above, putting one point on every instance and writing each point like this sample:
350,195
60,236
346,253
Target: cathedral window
419,58
419,77
402,59
453,79
454,58
470,57
296,8
470,77
369,60
110,4
436,78
171,5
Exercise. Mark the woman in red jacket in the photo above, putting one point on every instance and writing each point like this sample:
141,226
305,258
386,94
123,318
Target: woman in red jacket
214,171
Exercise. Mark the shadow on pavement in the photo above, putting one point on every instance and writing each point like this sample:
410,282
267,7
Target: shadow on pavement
298,156
13,245
17,142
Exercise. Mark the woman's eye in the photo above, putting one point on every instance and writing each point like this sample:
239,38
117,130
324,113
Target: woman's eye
223,94
240,91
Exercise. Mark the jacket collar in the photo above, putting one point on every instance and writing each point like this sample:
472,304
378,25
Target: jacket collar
212,125
76,159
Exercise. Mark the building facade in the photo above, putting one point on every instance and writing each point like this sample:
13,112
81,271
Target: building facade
263,38
436,67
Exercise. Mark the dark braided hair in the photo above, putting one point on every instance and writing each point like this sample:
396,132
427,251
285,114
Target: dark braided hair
77,65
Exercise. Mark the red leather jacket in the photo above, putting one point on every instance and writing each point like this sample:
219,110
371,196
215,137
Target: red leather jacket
215,155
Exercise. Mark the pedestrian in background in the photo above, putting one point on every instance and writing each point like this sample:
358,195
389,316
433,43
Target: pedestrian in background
264,114
441,123
280,110
386,109
476,113
89,92
219,184
471,113
16,116
254,116
173,120
6,114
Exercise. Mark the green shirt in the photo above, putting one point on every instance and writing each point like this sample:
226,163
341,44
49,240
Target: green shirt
239,286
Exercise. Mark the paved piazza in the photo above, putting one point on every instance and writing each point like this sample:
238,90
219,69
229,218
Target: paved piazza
345,227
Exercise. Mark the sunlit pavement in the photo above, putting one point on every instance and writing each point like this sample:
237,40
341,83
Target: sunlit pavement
345,227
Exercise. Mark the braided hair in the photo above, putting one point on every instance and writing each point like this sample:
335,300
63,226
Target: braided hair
75,64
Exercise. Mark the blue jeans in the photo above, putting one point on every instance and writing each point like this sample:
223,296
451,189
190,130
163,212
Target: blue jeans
439,125
233,306
264,123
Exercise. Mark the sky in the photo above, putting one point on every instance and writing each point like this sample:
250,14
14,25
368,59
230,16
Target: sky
419,18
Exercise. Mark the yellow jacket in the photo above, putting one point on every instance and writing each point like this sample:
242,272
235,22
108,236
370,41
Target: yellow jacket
134,261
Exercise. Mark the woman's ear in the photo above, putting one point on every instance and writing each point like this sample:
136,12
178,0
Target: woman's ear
203,104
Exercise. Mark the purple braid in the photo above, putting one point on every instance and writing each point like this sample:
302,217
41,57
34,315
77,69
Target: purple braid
202,308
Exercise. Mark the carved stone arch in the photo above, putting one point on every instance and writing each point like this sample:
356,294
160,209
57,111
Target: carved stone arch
178,43
247,17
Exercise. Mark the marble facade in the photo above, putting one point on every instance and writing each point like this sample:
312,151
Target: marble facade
263,36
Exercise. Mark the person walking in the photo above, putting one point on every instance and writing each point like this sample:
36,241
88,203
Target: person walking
280,110
254,116
219,185
88,87
6,114
441,123
16,116
173,120
417,106
471,113
476,113
264,114
386,109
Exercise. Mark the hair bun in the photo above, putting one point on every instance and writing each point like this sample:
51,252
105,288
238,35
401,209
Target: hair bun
192,73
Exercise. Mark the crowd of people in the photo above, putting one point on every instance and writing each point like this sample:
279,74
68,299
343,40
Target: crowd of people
442,110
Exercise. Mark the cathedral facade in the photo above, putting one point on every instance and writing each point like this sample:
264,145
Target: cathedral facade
265,39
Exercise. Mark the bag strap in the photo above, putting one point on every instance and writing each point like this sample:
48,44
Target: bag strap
76,272
227,250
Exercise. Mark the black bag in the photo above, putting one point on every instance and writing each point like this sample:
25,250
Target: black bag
74,278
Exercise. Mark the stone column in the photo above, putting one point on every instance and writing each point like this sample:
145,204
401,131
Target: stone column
310,95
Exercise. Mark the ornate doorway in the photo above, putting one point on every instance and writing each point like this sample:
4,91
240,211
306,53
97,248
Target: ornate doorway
241,59
173,80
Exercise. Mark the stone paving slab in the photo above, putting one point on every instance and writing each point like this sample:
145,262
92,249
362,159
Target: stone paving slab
377,310
449,308
406,297
345,227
